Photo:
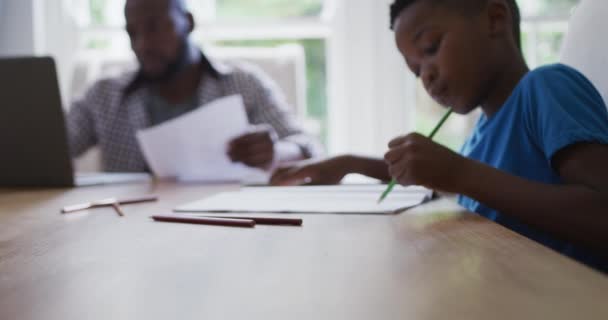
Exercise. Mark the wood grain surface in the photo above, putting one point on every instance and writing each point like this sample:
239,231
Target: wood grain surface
433,262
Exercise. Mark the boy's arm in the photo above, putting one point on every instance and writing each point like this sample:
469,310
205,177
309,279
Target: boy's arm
330,171
371,167
576,210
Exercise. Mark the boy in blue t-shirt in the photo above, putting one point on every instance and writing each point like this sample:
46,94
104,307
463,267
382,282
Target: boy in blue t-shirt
537,161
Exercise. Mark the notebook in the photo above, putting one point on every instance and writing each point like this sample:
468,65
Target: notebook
341,199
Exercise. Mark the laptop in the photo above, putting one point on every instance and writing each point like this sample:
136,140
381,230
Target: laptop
33,137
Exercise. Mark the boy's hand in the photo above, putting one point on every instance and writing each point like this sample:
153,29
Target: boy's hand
254,149
417,160
326,172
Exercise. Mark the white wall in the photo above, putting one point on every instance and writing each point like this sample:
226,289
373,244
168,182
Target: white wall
585,46
373,92
59,38
17,36
39,27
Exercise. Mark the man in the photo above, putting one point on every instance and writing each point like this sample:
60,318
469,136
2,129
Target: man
175,77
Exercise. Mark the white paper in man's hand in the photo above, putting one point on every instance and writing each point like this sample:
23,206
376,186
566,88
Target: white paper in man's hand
193,147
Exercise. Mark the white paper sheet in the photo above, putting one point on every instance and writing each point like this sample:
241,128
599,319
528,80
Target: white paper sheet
193,147
351,199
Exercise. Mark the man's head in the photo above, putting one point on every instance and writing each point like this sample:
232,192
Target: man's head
159,31
457,47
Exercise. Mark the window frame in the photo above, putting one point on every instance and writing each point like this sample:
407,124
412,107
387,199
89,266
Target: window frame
332,25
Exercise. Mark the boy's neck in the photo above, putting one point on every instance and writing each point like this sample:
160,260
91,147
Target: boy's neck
510,75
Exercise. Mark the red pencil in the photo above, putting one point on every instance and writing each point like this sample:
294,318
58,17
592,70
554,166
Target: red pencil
243,223
264,220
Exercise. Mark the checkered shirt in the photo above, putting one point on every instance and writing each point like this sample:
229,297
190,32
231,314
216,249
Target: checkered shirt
108,117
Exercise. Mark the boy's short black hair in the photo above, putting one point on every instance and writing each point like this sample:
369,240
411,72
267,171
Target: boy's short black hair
399,5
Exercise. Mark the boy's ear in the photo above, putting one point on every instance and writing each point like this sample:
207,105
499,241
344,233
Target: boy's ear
191,22
185,23
499,18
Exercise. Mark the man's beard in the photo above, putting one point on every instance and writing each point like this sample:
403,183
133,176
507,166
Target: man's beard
172,69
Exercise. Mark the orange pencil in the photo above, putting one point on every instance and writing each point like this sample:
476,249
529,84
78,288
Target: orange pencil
118,209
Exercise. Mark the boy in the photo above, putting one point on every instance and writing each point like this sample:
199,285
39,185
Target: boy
537,161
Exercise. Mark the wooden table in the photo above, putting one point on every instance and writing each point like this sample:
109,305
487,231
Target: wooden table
434,262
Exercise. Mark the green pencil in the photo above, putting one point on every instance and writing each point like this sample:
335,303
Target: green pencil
393,182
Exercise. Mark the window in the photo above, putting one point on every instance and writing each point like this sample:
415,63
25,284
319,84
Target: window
109,12
544,24
241,10
369,84
238,23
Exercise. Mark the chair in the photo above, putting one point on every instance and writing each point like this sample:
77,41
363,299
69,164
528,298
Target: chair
285,64
584,46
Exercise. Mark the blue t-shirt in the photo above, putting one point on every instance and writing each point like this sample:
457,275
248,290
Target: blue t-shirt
551,108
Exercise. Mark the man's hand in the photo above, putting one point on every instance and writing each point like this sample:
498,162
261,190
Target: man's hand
254,149
417,160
